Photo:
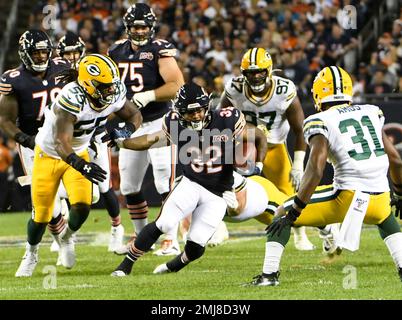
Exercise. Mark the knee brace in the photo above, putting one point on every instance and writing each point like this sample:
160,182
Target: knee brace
193,250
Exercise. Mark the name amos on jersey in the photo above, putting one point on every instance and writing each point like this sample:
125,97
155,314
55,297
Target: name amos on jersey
139,71
33,94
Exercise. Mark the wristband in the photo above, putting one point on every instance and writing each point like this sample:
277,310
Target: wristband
299,203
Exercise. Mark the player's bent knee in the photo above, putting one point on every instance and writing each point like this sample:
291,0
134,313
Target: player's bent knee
81,208
193,250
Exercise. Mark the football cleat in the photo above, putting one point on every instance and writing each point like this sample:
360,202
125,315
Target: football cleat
123,269
67,251
123,249
328,236
221,234
28,264
262,280
301,241
168,248
400,273
162,268
116,238
54,247
118,273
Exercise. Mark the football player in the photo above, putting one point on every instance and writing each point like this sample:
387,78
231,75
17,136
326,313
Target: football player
61,151
24,94
351,138
152,77
72,48
206,146
271,103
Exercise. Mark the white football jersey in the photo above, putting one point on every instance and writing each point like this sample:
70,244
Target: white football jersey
73,99
356,150
269,110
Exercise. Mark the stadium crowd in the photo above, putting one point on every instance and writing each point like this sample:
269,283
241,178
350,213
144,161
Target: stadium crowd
302,37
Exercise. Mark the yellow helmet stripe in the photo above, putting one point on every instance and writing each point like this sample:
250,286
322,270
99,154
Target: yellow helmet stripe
109,62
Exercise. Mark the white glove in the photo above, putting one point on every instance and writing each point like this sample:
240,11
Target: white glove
230,198
296,174
141,99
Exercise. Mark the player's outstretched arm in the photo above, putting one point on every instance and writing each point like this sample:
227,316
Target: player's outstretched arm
173,78
146,141
130,114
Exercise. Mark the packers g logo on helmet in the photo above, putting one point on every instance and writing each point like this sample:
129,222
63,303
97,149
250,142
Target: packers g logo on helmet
99,76
332,84
253,63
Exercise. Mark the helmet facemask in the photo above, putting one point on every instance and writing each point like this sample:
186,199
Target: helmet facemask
140,15
195,125
106,93
256,79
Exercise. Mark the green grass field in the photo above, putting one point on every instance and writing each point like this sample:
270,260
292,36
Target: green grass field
219,275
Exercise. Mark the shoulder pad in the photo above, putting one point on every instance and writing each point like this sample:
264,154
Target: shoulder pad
236,84
115,45
71,98
7,80
164,48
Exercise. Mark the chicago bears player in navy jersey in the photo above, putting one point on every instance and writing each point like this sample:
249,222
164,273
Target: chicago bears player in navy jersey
206,143
150,72
24,94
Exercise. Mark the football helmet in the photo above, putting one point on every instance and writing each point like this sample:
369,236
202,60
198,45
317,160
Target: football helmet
256,67
191,98
71,43
332,84
30,41
99,76
140,14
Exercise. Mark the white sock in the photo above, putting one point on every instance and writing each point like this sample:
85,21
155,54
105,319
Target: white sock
139,224
394,245
172,233
273,254
32,248
299,233
67,233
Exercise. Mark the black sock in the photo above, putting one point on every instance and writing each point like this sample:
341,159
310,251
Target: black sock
111,203
35,232
176,264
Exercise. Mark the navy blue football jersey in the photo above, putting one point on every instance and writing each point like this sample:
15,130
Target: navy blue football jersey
140,72
32,93
207,156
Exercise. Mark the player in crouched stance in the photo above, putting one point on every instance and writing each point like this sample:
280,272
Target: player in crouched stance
352,139
206,141
61,151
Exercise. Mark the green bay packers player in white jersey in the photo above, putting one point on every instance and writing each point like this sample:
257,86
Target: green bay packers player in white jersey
61,151
351,138
271,103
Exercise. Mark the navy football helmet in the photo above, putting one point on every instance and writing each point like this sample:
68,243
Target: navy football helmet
30,41
140,14
191,98
71,43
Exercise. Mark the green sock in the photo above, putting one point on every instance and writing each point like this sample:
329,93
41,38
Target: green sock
388,226
78,215
35,232
283,238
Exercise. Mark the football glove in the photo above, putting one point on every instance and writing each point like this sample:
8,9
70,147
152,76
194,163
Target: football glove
230,198
117,136
89,170
25,140
396,204
141,99
296,174
287,220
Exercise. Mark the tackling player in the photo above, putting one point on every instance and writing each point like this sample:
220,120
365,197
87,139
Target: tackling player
61,151
72,48
351,138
